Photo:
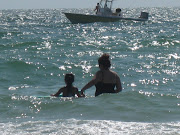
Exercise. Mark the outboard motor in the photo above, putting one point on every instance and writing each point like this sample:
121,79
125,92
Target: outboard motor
144,15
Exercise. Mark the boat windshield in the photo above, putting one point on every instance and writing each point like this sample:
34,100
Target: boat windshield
106,3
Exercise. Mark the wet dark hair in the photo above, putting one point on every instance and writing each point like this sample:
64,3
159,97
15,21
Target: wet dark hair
104,60
69,79
118,10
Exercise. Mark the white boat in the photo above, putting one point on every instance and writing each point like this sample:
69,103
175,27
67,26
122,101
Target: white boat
104,14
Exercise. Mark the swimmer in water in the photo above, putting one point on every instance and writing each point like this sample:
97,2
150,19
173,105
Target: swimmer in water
69,90
105,80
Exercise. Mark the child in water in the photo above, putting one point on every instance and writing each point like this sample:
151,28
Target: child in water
69,90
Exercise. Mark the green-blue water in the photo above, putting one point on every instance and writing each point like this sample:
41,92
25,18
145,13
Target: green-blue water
37,47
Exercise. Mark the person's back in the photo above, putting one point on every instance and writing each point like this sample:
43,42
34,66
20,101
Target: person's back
69,92
107,82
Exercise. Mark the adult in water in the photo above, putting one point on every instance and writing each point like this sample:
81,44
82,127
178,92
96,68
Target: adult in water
69,90
105,80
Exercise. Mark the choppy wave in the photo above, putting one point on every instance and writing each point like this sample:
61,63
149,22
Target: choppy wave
72,126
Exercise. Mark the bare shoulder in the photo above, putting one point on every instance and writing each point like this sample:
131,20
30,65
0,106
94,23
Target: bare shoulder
62,89
75,88
113,72
98,73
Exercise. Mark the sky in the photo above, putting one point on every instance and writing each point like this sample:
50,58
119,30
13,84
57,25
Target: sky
57,4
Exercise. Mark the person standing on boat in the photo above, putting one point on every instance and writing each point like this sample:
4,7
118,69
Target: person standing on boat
97,9
105,80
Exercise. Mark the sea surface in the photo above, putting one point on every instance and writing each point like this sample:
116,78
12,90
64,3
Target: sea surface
38,47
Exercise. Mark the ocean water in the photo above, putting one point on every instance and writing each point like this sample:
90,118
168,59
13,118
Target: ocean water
37,47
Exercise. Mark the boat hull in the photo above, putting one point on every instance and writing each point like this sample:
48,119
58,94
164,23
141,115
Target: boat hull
82,18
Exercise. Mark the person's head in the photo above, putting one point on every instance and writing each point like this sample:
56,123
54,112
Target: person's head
118,10
104,61
69,79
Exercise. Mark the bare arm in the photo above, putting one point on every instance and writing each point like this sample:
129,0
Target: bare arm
118,84
88,85
57,93
91,83
96,8
77,93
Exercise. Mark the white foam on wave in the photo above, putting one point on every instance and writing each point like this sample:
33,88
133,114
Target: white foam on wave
89,127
